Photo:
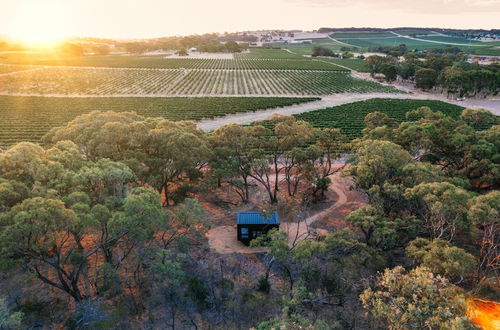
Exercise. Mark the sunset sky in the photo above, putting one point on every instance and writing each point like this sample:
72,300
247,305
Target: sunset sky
49,19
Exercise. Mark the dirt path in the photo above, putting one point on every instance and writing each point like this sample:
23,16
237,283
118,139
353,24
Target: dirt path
299,231
223,239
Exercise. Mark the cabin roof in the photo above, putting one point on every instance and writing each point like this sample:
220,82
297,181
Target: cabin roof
256,218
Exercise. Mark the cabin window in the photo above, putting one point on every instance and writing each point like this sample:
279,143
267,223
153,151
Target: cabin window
244,232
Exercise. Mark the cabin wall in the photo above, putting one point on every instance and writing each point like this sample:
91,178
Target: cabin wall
253,231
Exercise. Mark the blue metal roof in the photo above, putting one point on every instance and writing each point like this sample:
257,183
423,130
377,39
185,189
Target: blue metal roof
256,218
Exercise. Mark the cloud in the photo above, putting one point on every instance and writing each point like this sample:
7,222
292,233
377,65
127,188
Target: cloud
412,6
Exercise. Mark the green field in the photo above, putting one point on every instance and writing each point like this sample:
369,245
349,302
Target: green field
57,81
267,53
24,118
411,32
352,63
349,117
410,43
452,40
494,51
349,35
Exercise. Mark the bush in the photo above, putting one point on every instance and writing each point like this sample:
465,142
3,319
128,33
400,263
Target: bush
264,285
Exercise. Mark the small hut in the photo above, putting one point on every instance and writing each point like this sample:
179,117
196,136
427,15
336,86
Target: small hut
254,224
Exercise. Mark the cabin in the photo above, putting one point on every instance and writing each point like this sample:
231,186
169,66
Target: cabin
251,225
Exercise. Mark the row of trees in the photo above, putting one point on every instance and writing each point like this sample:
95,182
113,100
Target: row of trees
323,51
204,43
167,154
443,71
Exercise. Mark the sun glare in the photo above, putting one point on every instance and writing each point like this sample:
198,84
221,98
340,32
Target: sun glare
41,23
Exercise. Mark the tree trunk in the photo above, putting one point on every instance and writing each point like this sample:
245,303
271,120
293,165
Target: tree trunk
165,188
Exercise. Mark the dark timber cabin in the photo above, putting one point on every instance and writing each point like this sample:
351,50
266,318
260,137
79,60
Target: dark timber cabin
252,225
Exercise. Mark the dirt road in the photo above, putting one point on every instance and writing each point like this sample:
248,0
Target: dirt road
338,99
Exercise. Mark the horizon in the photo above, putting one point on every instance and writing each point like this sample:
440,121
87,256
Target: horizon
29,20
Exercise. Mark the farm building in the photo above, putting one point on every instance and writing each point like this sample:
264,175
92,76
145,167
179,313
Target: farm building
254,224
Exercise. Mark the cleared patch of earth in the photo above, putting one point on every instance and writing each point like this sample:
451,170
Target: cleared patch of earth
223,239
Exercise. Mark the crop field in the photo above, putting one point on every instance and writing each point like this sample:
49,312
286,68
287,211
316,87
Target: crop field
13,68
129,82
493,51
410,43
350,117
28,118
352,63
267,53
412,32
452,40
290,62
349,35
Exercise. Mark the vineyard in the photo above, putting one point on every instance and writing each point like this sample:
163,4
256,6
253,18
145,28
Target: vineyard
155,82
352,63
350,117
267,53
286,61
14,68
24,118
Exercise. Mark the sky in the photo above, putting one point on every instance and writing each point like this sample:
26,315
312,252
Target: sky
37,19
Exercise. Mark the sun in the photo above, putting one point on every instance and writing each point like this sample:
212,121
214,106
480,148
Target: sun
41,23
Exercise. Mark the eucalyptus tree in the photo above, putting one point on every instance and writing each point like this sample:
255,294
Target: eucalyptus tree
416,299
233,145
484,213
443,208
441,258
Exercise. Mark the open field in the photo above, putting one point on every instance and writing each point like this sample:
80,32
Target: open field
350,117
348,35
352,63
267,53
13,68
493,51
410,43
57,81
411,32
452,40
29,118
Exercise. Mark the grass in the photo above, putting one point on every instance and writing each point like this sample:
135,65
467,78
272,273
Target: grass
352,63
410,43
267,53
452,40
411,32
350,117
349,35
487,51
27,118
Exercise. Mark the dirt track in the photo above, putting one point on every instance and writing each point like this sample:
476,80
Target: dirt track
335,100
